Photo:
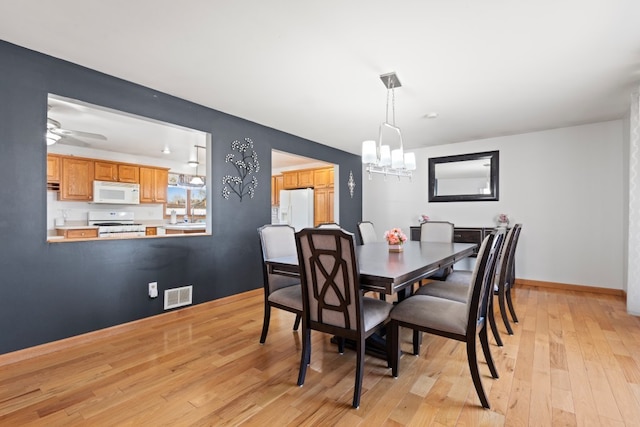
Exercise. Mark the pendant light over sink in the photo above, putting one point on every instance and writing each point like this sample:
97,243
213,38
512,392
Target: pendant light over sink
196,180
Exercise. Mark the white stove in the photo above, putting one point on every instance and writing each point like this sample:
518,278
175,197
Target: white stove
115,224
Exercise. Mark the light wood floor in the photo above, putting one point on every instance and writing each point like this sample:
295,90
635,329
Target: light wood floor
574,360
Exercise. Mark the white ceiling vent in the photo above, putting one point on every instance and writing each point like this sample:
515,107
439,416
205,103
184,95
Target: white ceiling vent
178,297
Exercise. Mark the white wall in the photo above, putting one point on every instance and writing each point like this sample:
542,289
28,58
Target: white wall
626,150
564,185
632,150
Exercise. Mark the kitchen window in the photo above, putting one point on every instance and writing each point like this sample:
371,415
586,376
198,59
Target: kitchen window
186,201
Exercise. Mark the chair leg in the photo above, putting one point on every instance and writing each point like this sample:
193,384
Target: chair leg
389,347
296,324
510,304
492,322
393,335
340,344
305,357
475,373
359,371
417,342
484,341
265,322
382,296
503,309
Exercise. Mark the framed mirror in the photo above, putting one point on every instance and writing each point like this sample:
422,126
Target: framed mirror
464,178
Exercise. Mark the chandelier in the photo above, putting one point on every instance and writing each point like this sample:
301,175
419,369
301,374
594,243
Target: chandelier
379,157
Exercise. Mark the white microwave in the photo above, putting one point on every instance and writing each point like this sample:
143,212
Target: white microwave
120,193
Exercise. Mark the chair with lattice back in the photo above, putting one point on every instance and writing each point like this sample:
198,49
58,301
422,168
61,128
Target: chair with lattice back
331,296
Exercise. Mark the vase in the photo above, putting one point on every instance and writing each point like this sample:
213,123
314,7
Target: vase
395,248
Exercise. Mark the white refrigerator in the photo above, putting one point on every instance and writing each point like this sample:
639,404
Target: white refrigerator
296,208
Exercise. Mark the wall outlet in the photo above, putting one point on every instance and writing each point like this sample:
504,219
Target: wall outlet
153,289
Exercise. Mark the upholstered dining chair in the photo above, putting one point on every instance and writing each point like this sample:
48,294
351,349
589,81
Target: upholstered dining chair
504,293
437,232
452,319
458,280
329,225
367,232
331,296
368,235
278,240
456,287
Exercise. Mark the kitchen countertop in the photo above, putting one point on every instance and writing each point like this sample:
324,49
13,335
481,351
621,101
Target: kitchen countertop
186,226
75,227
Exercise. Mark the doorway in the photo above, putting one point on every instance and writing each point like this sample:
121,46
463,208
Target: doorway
290,175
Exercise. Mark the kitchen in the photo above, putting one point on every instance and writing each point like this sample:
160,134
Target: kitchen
303,193
111,175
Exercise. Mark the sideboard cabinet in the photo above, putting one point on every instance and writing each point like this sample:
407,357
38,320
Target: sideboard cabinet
460,234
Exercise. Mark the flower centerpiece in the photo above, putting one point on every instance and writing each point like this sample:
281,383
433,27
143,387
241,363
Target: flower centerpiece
395,238
503,220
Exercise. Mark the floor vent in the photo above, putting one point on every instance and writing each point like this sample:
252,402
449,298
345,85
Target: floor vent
177,297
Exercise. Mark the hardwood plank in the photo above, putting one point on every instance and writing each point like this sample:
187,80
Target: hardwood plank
574,360
562,418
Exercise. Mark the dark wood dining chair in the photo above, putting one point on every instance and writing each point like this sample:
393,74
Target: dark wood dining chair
456,287
367,232
452,319
331,296
437,232
278,240
504,280
504,292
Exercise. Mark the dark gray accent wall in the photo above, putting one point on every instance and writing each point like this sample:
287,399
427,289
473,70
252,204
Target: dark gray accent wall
50,291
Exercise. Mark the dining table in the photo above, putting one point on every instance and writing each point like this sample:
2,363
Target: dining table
388,272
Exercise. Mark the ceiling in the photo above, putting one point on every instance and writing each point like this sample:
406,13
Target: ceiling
125,133
312,68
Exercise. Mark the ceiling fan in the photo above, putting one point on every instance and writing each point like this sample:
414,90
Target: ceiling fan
57,134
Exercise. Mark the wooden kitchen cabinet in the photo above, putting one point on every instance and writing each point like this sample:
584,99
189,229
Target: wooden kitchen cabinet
53,168
151,231
129,173
298,179
323,195
277,184
110,171
305,178
76,181
153,185
289,180
323,178
105,171
78,233
323,205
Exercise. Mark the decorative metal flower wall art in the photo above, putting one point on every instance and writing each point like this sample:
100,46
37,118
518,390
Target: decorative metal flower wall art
246,163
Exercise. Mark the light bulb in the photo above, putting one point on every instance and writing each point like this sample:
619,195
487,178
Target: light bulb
385,155
369,152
